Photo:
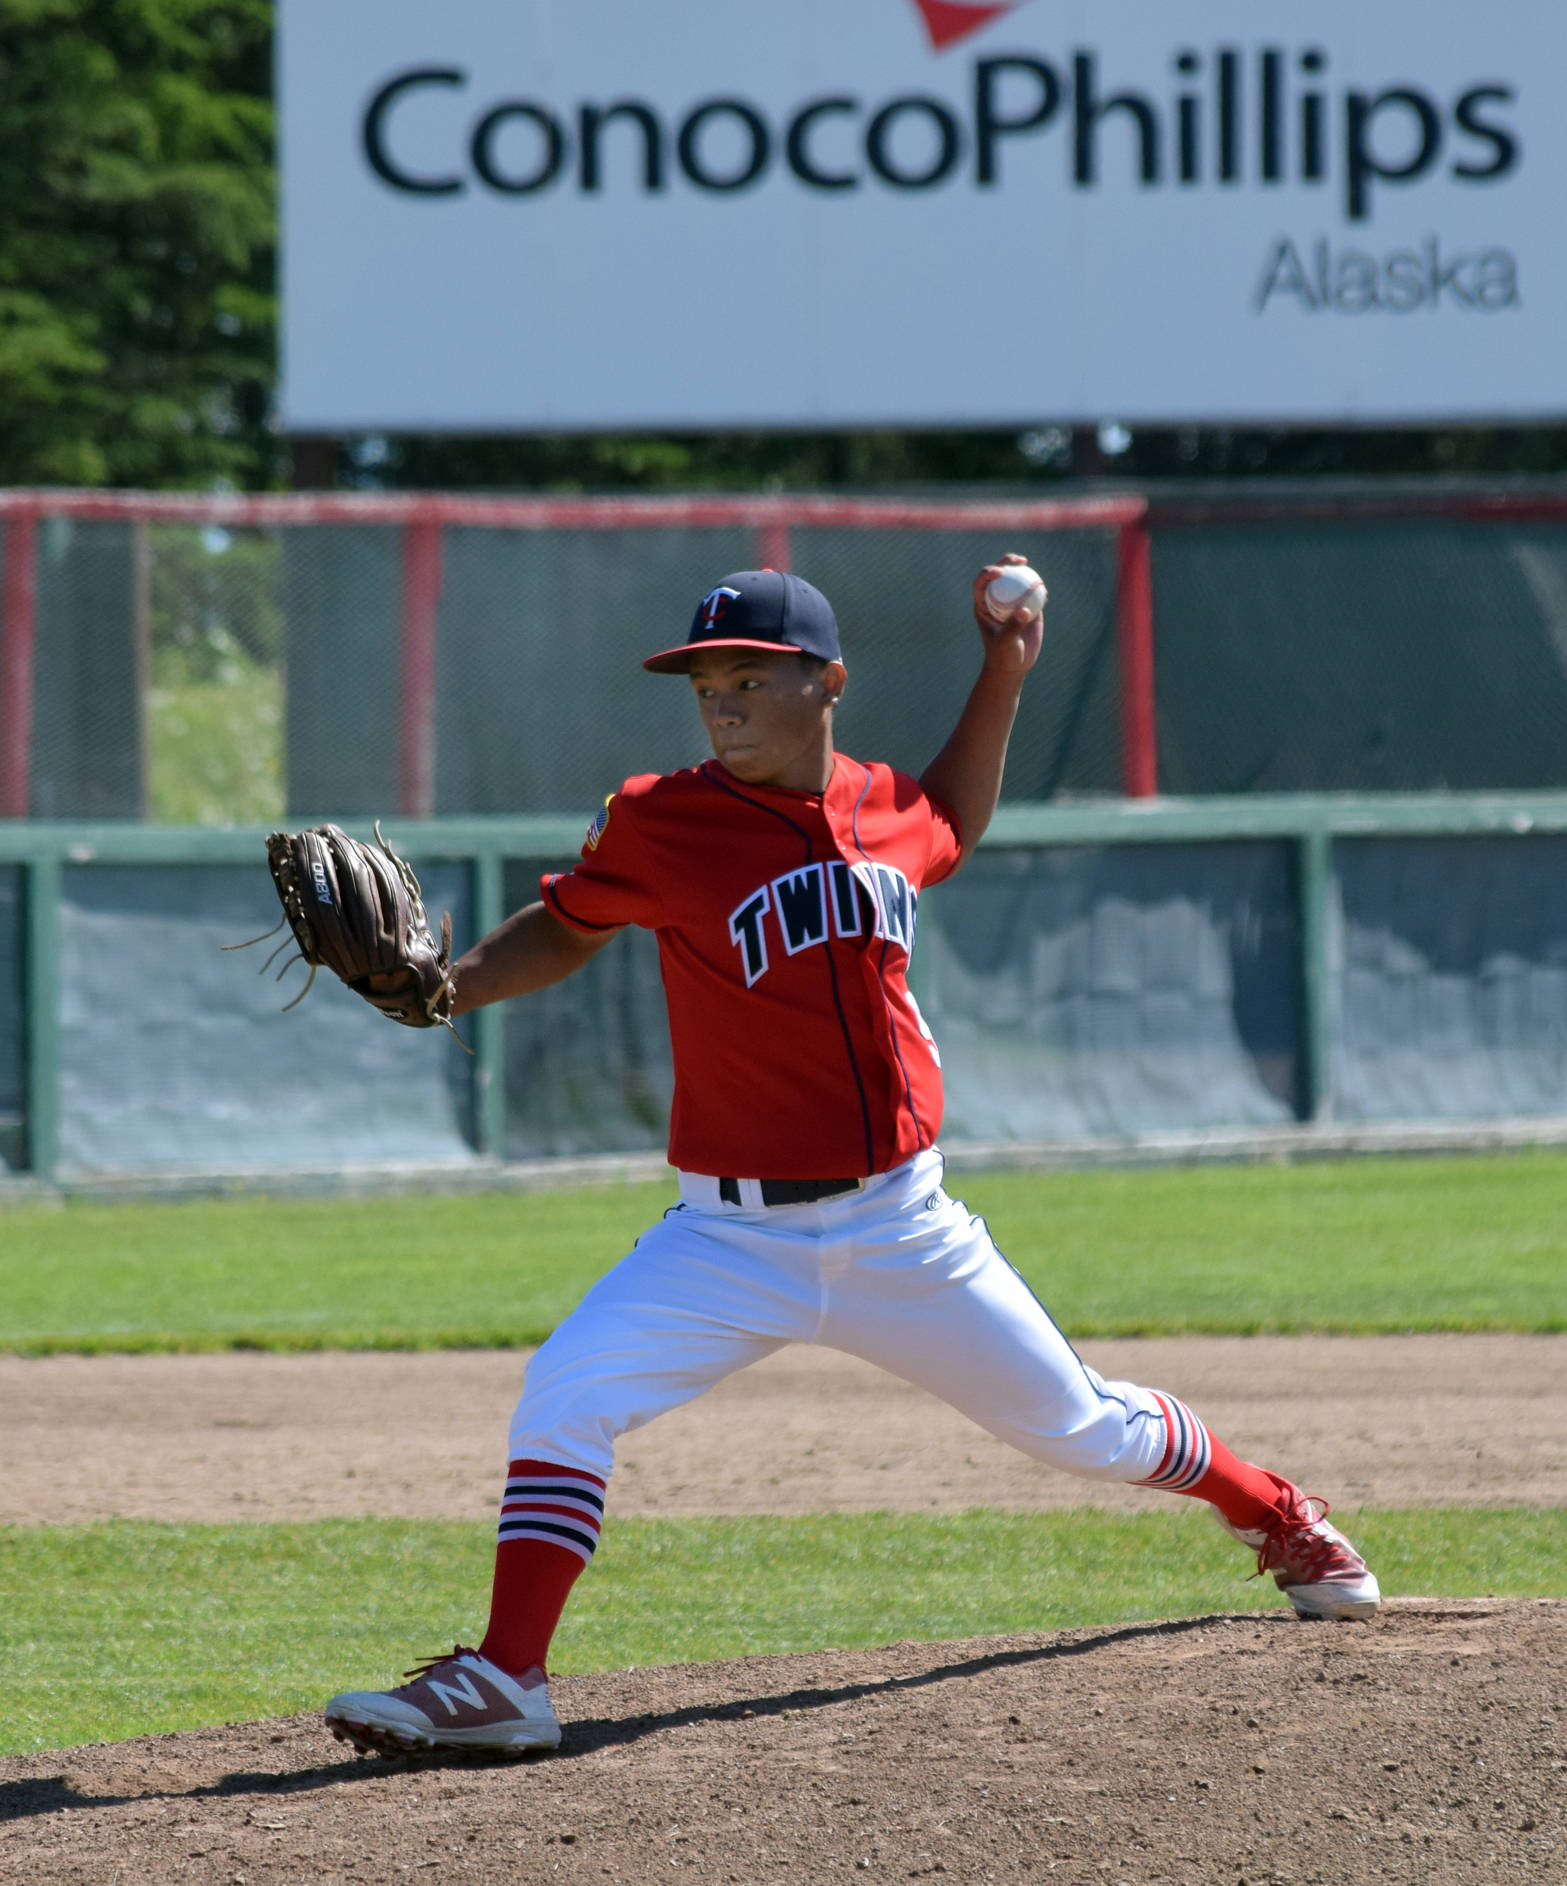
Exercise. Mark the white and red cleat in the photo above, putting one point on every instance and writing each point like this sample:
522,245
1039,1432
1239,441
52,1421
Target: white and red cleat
458,1702
1312,1563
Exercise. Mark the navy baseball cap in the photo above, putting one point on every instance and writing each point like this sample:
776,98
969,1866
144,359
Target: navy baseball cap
769,609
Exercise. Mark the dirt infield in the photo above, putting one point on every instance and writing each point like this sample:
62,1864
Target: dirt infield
1385,1421
1424,1747
1421,1749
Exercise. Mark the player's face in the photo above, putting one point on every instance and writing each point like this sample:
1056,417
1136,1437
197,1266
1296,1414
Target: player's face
768,716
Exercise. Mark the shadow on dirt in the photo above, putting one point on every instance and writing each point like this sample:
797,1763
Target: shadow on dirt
587,1737
55,1794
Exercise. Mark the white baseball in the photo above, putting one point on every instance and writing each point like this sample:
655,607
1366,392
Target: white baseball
1017,587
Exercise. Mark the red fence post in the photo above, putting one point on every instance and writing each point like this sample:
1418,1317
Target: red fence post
772,544
18,627
416,726
1134,638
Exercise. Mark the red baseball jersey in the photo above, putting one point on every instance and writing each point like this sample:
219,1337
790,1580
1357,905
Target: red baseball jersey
785,923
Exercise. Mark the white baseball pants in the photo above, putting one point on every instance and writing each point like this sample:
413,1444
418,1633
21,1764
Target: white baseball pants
897,1273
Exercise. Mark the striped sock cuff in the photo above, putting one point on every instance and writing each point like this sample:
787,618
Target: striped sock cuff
1187,1448
553,1505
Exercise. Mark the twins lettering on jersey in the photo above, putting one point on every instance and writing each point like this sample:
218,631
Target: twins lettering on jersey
857,899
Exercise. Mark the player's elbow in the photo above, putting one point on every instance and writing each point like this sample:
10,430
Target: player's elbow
575,947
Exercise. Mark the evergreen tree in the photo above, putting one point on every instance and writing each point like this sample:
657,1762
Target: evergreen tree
136,242
138,315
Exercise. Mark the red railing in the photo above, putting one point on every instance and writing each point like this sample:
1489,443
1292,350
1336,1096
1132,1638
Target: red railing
422,519
416,716
1134,647
18,612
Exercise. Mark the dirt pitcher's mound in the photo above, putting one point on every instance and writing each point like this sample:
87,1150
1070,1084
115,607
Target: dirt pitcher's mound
1424,1747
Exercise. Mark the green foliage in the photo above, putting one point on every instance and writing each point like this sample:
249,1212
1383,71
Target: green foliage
1360,1247
211,593
709,461
134,1628
136,237
215,707
215,747
1037,455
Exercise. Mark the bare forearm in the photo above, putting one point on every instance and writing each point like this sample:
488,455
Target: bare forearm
530,950
966,774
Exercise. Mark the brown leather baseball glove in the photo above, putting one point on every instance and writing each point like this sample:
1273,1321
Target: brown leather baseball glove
357,908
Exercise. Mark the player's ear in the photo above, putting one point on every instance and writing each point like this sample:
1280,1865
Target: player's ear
835,678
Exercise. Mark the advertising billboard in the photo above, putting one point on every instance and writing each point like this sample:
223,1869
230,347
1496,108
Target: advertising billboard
515,215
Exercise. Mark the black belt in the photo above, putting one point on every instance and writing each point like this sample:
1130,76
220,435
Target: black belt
789,1191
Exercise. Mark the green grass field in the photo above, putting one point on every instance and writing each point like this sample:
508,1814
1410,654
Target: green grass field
1361,1247
130,1629
122,1629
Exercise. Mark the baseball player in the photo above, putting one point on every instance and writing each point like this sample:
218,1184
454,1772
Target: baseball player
783,880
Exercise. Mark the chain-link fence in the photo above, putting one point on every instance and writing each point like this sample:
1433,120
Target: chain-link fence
157,656
1361,647
239,660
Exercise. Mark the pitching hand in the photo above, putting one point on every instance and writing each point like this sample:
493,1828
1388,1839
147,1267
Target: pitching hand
1012,646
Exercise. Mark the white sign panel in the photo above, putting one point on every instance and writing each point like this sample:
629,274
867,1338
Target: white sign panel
552,214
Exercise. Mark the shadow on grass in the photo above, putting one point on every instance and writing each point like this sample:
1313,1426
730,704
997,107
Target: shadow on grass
54,1794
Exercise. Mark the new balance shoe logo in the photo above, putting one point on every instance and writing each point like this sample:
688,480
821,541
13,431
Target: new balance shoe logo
452,1693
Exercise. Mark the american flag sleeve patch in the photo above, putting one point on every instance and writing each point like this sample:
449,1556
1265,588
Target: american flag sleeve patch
596,827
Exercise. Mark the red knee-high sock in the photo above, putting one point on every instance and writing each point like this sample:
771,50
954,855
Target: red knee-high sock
549,1528
1198,1463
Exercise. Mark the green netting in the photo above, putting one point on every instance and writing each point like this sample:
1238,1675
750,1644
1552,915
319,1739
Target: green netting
342,591
544,706
89,737
1330,653
902,600
1345,655
203,675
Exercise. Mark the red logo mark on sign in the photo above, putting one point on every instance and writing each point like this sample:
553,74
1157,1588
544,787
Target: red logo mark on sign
948,21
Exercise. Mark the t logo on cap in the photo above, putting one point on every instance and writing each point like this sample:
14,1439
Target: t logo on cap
713,603
762,609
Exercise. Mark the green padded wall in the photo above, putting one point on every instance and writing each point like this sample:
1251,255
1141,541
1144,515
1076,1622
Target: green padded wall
13,1019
